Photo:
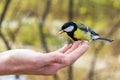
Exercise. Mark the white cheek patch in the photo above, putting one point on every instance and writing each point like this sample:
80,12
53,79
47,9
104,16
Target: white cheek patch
69,29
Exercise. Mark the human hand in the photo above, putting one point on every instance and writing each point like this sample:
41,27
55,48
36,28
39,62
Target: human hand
22,61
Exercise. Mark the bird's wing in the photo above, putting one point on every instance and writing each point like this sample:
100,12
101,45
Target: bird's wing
86,29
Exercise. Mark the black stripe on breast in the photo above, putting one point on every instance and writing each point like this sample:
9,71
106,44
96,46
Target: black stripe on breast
72,36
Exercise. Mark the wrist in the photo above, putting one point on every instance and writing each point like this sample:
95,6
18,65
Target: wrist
5,68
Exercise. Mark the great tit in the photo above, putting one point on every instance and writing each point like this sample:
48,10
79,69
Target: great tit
81,32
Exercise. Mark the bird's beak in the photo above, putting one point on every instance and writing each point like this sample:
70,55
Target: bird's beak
61,31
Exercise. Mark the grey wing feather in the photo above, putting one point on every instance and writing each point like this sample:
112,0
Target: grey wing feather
83,27
86,29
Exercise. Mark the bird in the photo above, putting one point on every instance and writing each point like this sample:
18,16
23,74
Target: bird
81,32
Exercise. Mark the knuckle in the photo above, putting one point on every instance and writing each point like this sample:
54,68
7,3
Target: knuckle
54,56
86,46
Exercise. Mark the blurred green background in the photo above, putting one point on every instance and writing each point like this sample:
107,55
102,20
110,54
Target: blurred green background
34,24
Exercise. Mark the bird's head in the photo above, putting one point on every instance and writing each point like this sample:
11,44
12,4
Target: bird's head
68,27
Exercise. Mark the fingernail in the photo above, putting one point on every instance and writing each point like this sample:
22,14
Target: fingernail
69,45
78,42
85,42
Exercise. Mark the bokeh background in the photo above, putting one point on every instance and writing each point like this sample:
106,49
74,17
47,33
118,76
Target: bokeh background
34,24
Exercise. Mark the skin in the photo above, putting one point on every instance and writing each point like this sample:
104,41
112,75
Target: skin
24,61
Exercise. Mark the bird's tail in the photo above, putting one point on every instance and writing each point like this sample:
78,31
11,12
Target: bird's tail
106,39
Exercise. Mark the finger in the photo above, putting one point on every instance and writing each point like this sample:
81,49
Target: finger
74,55
74,46
65,48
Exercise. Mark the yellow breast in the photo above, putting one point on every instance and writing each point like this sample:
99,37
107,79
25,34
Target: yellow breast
81,35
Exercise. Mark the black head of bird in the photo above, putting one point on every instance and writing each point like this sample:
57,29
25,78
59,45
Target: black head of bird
68,27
